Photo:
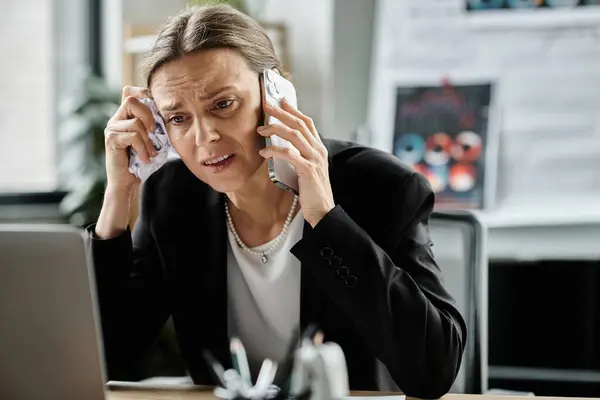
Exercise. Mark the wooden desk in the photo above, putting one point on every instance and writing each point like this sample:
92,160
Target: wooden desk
206,394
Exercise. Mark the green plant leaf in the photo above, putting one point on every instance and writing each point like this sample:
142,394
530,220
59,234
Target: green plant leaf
83,116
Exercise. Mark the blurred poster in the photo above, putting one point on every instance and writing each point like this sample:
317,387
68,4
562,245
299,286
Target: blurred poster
481,5
442,132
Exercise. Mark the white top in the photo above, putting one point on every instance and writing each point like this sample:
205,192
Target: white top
264,298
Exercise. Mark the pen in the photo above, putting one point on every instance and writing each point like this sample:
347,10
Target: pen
216,368
318,338
297,375
302,371
231,390
232,380
287,364
240,361
266,376
309,331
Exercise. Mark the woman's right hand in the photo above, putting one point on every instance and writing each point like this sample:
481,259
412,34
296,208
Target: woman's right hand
129,126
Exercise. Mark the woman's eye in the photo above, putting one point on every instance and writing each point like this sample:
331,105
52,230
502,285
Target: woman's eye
223,104
177,119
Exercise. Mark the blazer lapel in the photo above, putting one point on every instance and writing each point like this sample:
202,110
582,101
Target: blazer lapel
311,311
202,261
216,277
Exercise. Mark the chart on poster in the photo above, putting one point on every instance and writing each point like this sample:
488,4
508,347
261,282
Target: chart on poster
440,130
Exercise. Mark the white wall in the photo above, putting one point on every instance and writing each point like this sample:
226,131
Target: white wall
352,40
27,96
310,27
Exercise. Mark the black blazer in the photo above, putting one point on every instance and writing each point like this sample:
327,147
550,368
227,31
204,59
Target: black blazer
369,278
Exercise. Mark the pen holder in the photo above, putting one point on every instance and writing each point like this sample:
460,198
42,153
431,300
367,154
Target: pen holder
315,371
319,372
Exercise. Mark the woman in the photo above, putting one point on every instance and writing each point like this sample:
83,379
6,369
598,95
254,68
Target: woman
226,253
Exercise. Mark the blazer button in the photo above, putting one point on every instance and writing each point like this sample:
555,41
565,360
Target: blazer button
327,252
343,272
351,281
335,262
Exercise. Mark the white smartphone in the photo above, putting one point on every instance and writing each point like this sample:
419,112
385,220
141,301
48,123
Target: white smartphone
161,143
274,88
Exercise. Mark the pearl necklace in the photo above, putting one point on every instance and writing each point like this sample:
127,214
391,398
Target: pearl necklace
262,254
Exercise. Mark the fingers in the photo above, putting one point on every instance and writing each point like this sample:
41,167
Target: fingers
290,120
131,124
297,122
293,118
297,139
133,108
135,125
308,122
134,91
285,153
124,133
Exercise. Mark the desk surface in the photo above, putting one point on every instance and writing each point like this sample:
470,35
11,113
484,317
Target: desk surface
206,394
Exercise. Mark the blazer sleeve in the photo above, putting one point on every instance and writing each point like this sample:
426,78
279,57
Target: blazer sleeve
396,299
132,296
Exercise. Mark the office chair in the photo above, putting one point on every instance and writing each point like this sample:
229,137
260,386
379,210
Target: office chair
459,247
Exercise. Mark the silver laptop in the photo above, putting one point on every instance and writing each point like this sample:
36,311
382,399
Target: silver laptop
49,336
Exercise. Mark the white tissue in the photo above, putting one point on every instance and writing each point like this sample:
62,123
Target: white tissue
161,143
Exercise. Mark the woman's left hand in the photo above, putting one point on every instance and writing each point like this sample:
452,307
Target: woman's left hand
315,195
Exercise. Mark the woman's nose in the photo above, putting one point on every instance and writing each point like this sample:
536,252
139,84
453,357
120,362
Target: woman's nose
205,132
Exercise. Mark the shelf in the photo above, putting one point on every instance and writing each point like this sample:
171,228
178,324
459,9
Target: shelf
578,213
534,19
544,374
530,244
565,230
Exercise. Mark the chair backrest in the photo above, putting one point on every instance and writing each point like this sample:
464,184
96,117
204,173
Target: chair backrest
459,246
460,250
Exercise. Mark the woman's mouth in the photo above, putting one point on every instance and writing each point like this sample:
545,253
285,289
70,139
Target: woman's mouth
218,164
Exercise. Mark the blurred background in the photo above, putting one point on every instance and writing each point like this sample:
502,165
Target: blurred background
497,102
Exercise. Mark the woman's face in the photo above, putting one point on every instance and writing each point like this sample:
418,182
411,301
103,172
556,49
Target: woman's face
211,104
